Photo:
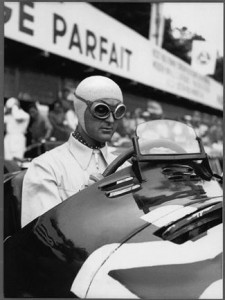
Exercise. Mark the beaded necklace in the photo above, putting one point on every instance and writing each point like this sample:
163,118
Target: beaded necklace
79,137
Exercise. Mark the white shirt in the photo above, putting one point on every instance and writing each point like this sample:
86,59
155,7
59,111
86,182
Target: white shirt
16,126
17,121
58,174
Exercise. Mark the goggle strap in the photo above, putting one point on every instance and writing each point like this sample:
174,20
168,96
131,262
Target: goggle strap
100,99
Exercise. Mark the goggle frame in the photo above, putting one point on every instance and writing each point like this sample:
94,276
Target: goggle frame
93,104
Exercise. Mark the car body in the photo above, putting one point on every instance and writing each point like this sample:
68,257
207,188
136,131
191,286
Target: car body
151,230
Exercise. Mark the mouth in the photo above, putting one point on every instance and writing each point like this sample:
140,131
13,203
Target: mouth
107,130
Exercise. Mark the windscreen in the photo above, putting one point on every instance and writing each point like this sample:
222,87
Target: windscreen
167,137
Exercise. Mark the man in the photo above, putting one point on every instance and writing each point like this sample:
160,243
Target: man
39,127
58,174
15,121
61,131
154,110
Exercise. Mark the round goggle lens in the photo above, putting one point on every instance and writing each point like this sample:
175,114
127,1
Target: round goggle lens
101,110
120,111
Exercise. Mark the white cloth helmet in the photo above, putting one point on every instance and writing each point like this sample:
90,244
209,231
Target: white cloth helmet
95,88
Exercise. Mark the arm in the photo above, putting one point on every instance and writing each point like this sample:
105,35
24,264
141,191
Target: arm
49,128
40,191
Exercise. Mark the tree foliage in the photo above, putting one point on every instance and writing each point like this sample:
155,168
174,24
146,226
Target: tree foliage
181,46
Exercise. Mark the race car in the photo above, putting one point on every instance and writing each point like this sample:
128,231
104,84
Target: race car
152,230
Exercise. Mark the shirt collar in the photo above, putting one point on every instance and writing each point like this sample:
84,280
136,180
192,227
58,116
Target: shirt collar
83,153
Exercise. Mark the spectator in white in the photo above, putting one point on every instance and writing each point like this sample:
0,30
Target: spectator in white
66,98
60,173
16,121
71,118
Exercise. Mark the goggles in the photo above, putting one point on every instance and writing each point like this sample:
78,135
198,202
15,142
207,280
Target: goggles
102,110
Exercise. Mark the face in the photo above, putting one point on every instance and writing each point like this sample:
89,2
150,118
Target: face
33,112
101,130
58,107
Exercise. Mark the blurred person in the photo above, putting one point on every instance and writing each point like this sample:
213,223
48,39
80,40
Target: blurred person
187,119
39,128
71,118
125,130
196,121
196,118
60,173
203,129
16,121
220,129
61,131
121,130
216,139
138,116
199,125
129,124
65,97
155,110
43,109
146,116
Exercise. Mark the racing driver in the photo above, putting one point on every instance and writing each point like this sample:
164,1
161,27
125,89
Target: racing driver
65,170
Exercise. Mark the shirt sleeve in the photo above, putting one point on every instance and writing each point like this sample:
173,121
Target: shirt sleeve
40,191
19,114
48,127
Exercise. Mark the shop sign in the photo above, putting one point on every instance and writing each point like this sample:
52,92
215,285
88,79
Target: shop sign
78,32
179,78
82,33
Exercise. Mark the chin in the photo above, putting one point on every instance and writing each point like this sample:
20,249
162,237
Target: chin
105,138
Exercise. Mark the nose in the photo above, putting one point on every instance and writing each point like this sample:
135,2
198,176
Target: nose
110,118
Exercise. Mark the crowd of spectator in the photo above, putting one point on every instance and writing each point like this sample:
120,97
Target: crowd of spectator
59,120
210,132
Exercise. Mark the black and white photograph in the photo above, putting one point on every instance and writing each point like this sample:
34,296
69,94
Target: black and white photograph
113,150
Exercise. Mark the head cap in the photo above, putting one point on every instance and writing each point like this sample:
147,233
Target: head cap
11,102
95,88
25,97
154,107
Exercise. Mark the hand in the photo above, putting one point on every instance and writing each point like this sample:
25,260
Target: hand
95,178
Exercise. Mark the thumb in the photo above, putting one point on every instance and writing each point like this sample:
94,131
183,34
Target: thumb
96,177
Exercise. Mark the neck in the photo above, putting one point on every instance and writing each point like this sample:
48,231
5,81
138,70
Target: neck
83,137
